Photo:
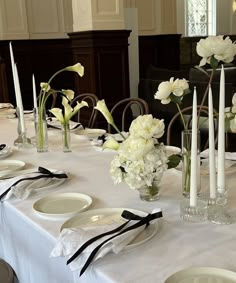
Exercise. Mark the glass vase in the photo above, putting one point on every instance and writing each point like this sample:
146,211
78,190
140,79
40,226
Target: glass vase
41,130
186,137
150,193
66,137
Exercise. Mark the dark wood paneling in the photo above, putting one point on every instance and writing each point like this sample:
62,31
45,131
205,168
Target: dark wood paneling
159,50
41,57
104,55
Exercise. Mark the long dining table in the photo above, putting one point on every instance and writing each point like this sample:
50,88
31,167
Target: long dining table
27,238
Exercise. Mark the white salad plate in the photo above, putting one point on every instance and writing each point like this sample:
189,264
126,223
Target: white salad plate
5,152
106,216
7,166
62,205
91,133
202,275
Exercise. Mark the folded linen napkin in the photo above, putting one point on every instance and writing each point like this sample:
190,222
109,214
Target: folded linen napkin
55,124
6,105
228,155
89,243
22,186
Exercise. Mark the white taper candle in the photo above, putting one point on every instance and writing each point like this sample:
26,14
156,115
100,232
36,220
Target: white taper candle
212,169
34,94
19,100
194,167
13,71
221,135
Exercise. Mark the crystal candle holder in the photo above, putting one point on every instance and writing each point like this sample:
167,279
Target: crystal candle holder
197,213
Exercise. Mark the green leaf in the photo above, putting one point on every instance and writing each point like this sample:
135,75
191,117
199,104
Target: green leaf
174,161
176,99
214,62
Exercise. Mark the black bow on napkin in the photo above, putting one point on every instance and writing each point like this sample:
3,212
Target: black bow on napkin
117,231
45,173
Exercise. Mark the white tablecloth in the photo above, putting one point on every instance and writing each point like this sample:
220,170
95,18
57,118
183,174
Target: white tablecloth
26,239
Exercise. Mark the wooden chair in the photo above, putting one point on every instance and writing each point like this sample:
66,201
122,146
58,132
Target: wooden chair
122,109
171,130
87,116
6,272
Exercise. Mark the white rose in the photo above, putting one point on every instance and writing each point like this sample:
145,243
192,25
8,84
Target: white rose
146,126
177,87
135,148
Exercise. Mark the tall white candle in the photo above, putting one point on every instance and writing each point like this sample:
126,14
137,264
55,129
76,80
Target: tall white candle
19,100
34,93
194,167
13,71
212,169
221,135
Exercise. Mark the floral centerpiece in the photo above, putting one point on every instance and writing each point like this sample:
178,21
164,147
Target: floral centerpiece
140,160
45,92
214,50
64,118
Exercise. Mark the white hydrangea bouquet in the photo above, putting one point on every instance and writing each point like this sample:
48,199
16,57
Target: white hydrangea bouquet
141,159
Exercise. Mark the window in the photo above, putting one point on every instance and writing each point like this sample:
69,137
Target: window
200,17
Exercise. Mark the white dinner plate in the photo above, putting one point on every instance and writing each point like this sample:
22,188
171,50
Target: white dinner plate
7,166
91,133
62,205
202,275
111,216
5,152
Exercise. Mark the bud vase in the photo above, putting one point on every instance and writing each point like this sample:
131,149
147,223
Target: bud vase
66,137
150,193
186,138
41,131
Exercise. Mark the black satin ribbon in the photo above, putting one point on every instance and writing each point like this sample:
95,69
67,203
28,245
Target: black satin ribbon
117,231
45,174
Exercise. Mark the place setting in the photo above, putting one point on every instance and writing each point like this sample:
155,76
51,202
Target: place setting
95,233
25,182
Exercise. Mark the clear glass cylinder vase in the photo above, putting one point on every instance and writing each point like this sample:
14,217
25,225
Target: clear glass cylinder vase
186,138
41,130
150,193
66,137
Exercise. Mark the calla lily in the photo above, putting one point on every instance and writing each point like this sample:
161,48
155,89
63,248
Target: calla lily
102,107
57,112
45,86
68,93
111,144
78,68
69,112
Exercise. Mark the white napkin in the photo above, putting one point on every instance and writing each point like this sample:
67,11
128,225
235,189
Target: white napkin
70,240
23,189
54,123
228,155
6,106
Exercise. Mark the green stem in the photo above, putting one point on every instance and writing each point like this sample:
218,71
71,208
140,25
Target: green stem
66,137
182,117
118,131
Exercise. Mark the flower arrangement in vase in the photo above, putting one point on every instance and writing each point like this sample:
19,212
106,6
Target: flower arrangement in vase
45,92
214,50
140,160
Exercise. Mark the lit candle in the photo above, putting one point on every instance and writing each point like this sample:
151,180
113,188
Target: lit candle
19,100
194,167
221,135
212,169
34,93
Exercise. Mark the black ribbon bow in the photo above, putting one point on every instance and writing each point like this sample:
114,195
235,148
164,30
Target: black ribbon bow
117,231
45,173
